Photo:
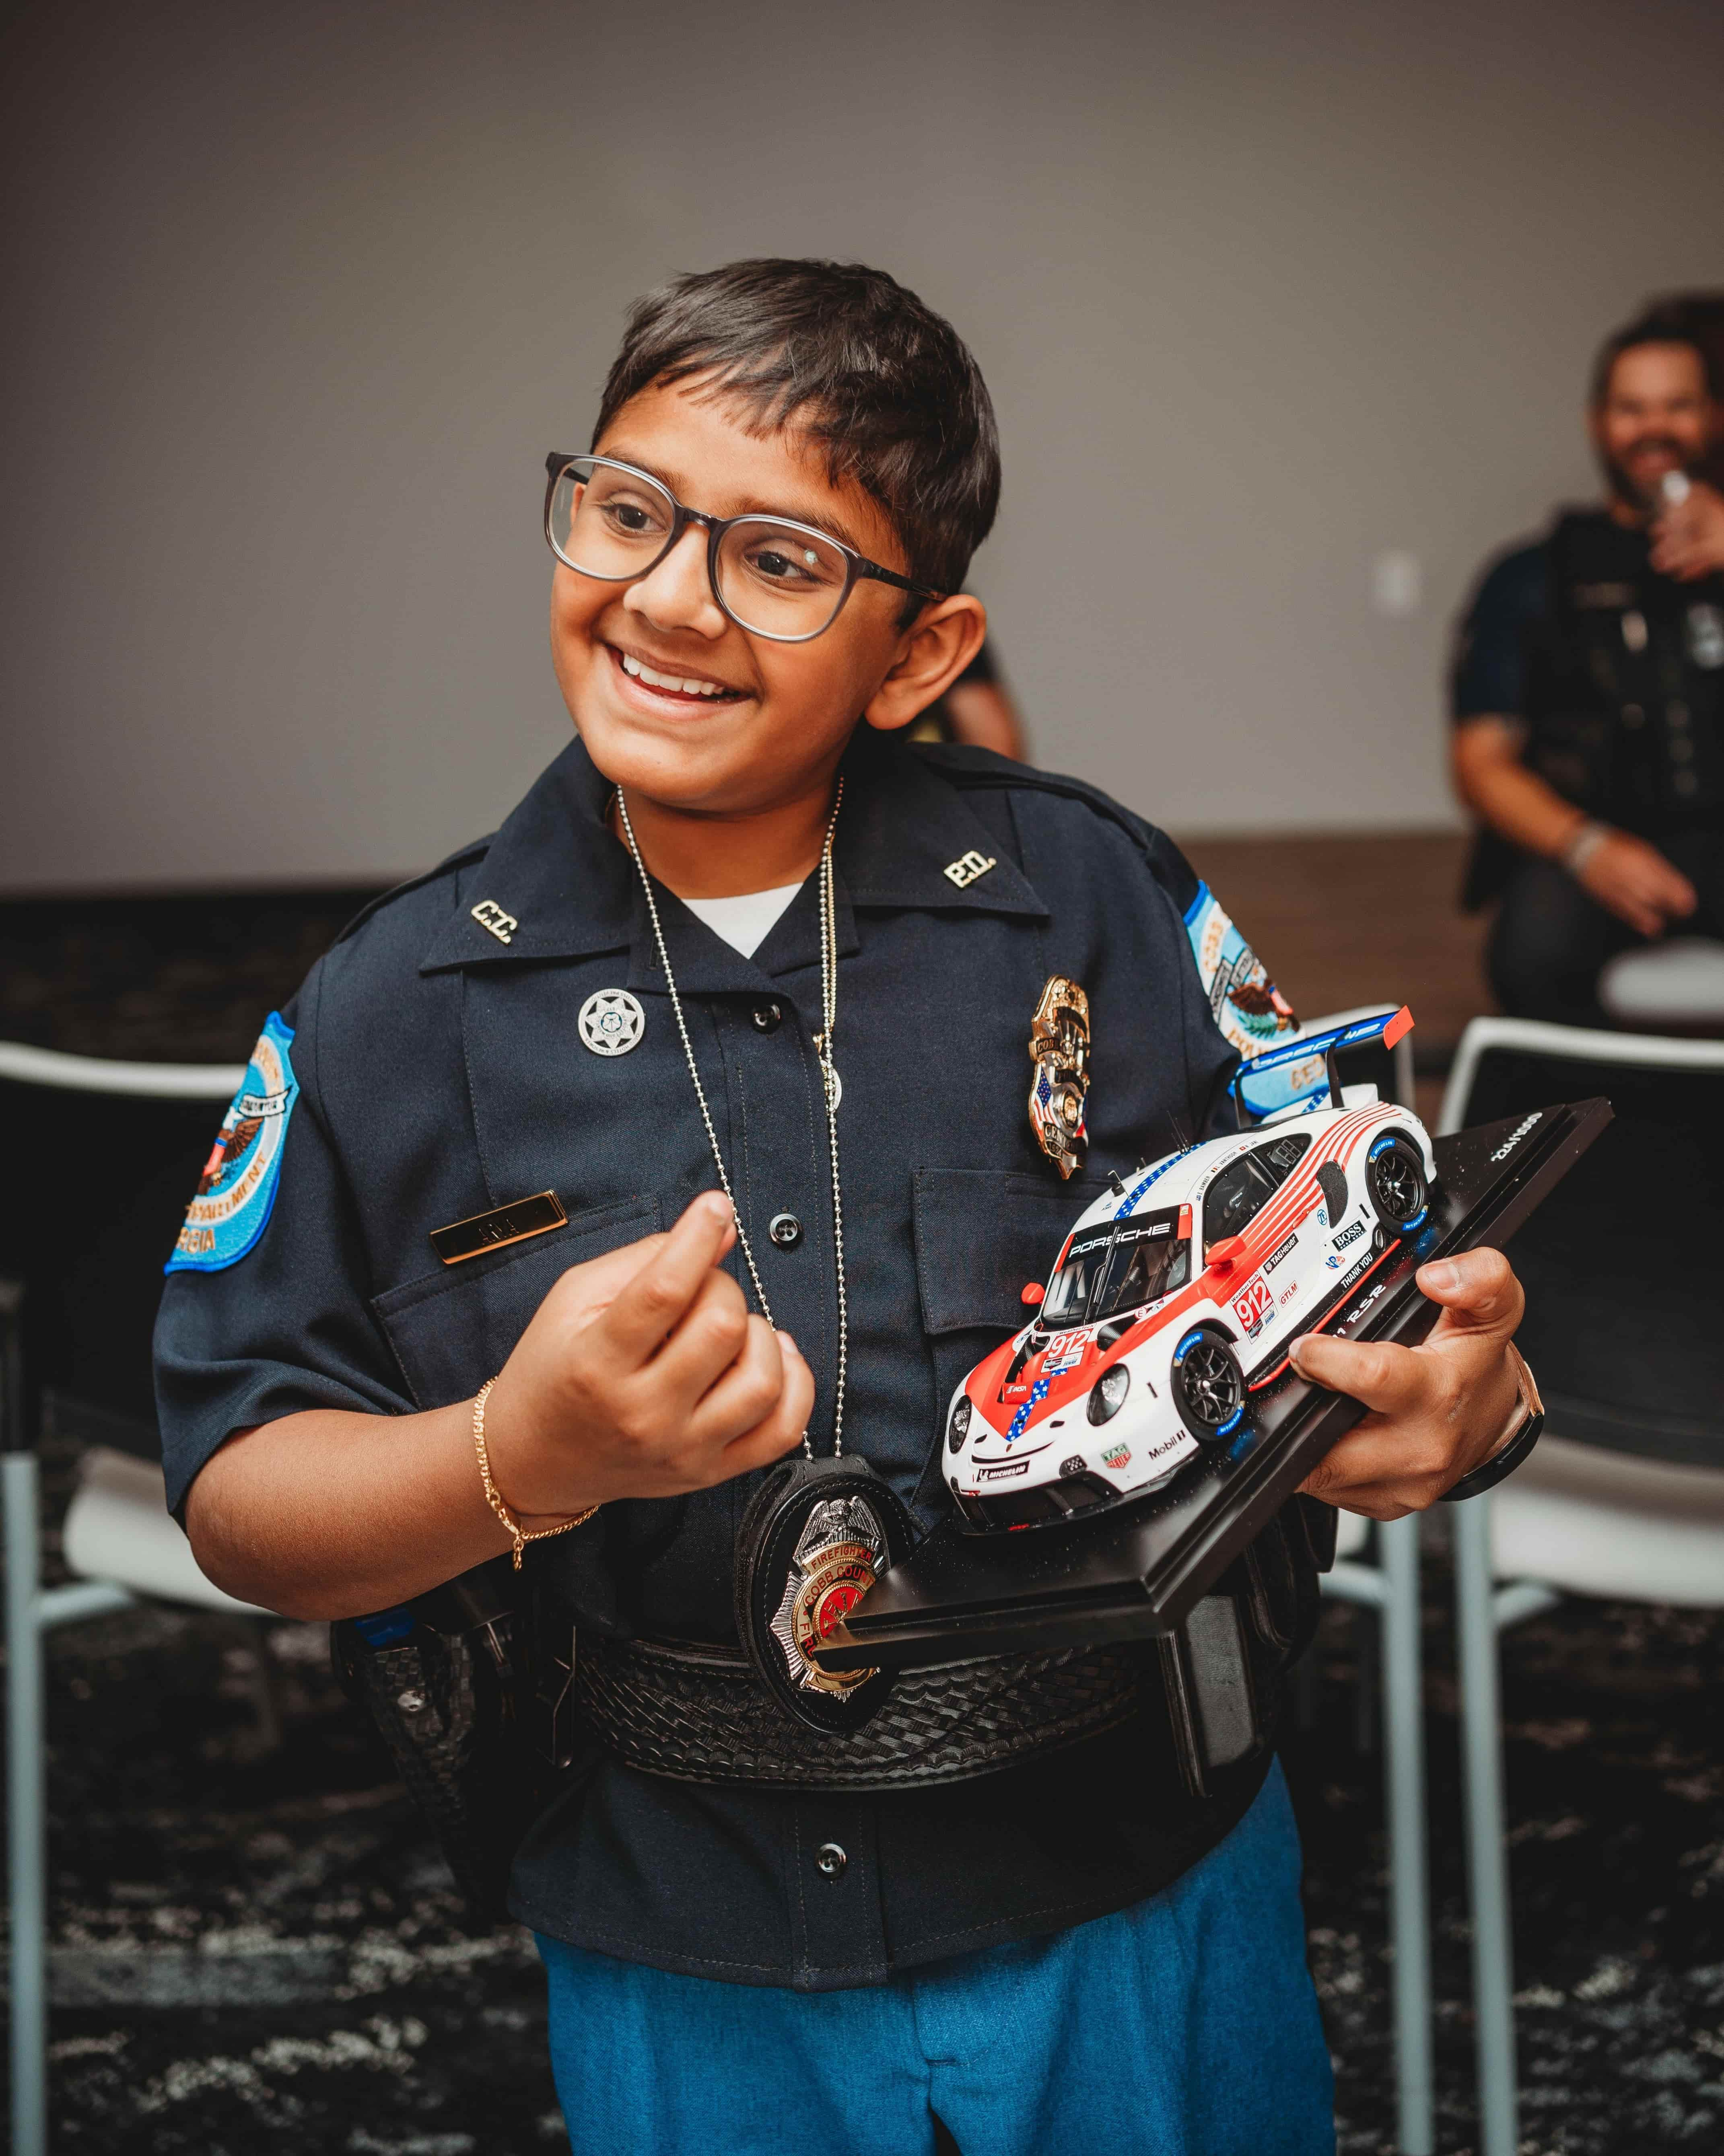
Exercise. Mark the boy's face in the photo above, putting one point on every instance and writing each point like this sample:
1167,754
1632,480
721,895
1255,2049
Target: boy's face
784,712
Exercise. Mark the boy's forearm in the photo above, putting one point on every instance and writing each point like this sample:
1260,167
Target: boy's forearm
328,1514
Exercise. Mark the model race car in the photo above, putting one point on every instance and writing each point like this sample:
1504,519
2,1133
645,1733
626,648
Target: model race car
1174,1298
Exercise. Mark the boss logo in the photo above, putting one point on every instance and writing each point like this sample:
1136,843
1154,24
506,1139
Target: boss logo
1349,1235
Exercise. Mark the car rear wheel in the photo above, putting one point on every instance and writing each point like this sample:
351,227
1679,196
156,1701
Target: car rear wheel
1395,1181
1208,1386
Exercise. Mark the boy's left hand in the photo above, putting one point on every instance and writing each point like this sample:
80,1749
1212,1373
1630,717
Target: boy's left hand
1438,1410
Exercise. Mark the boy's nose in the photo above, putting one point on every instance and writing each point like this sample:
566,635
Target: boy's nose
677,592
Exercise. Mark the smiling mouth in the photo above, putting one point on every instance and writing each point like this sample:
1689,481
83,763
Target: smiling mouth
680,688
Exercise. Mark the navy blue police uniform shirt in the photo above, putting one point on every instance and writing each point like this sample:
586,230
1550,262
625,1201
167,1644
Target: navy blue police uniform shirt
1489,674
431,1070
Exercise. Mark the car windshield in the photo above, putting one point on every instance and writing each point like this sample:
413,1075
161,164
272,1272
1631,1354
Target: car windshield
1240,1191
1117,1266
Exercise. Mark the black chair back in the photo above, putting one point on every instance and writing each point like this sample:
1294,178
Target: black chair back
97,1186
1624,1263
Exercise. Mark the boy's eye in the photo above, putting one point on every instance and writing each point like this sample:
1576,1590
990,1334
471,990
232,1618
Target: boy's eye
632,520
789,560
775,566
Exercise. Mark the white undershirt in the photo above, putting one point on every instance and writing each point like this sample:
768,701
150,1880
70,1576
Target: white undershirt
746,921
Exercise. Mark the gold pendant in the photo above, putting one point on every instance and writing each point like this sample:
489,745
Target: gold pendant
1059,1049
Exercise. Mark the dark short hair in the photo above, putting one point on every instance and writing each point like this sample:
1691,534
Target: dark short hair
1658,325
884,385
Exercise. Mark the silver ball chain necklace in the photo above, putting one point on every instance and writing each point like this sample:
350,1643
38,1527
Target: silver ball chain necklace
817,1533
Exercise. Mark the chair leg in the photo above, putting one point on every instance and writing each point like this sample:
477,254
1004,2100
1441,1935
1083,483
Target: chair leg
1404,1787
1487,1851
26,1823
264,1686
1367,1692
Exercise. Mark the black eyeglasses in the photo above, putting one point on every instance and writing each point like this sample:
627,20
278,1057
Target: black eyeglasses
772,576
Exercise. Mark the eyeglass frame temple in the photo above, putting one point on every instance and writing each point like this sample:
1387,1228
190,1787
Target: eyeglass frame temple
861,569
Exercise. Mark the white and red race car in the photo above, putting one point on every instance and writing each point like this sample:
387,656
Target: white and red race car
1174,1298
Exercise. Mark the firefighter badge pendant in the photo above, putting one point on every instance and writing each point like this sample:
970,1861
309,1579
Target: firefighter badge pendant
1059,1049
816,1536
832,1567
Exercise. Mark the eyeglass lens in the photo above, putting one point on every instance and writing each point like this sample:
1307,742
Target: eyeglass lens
776,579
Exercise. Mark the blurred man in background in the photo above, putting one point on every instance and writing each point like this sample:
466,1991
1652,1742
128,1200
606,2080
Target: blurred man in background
1588,694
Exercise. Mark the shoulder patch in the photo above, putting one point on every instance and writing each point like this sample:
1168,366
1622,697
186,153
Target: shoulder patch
236,1192
1248,1007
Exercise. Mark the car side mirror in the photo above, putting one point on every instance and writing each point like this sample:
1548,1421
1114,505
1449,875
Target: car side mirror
1225,1255
1032,1293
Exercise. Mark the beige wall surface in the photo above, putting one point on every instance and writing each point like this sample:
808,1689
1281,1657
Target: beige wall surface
298,298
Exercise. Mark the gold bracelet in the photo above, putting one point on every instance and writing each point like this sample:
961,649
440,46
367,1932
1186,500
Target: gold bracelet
494,1496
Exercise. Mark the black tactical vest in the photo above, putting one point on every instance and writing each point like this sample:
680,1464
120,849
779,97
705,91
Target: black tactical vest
1625,690
1625,684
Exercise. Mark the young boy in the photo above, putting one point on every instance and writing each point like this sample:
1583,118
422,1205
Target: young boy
648,983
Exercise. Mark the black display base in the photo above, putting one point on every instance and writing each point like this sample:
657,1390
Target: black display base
1138,1570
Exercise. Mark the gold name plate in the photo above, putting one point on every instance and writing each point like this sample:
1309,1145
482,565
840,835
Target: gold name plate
502,1224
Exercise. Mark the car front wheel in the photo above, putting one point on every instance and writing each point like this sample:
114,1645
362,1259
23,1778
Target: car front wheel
1208,1386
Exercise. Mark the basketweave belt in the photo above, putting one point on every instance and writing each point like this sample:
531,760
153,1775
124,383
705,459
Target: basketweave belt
697,1713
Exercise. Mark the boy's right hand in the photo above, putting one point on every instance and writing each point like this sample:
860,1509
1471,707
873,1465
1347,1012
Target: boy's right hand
644,1375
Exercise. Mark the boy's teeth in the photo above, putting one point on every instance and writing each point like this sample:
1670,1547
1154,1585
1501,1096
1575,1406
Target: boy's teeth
689,686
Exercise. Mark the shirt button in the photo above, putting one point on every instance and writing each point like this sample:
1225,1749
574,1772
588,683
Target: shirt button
785,1231
767,1017
829,1860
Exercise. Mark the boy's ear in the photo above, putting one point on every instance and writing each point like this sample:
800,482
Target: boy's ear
935,650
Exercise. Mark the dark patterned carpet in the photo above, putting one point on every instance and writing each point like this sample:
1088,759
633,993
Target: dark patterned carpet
257,1950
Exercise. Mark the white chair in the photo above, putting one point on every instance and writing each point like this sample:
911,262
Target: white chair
1377,1569
119,1539
1672,987
1389,1587
1636,1511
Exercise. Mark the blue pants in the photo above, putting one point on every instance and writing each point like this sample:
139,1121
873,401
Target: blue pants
1185,2026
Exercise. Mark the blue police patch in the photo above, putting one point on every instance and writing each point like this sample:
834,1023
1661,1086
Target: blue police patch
231,1207
1250,1010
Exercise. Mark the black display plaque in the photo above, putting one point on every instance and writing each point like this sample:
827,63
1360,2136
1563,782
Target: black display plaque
1139,1569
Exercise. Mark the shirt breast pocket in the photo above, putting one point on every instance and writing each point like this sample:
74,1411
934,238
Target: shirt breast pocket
982,1235
452,1329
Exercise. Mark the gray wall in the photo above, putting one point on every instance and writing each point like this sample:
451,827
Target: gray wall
302,294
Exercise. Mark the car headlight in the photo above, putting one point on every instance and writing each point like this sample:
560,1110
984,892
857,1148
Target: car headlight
1107,1396
959,1428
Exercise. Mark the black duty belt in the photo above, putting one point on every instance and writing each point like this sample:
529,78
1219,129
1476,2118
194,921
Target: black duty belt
699,1713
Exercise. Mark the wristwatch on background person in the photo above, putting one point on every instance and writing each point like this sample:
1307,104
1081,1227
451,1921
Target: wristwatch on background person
1526,1420
1581,848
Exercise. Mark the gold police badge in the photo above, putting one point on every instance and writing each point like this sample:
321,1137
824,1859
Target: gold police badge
1059,1049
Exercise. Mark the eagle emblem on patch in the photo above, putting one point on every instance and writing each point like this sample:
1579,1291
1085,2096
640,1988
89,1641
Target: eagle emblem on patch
235,1194
1059,1049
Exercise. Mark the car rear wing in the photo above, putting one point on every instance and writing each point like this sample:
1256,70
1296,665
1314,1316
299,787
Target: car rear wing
1308,1071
